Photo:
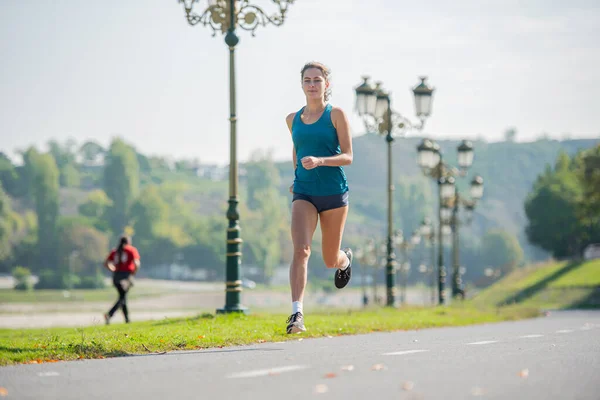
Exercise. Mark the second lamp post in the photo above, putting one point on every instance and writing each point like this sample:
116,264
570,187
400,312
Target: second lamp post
432,164
374,105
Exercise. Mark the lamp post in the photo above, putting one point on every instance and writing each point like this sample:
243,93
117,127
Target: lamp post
225,16
374,105
432,164
476,193
405,244
427,231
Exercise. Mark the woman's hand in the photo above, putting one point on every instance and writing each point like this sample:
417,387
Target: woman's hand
292,189
310,162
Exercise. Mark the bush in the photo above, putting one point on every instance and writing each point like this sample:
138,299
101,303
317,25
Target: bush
92,282
49,279
22,277
70,281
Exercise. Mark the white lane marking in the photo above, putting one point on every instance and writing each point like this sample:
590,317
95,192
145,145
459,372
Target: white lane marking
485,342
401,353
51,373
530,336
565,331
265,372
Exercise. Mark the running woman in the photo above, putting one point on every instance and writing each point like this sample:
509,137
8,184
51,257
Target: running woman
123,262
322,146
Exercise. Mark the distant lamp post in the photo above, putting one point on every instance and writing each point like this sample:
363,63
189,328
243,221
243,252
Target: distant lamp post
427,232
429,158
373,104
225,16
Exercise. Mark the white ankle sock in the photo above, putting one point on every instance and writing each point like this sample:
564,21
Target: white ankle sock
346,262
296,307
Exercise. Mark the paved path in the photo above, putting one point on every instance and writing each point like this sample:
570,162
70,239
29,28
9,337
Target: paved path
555,357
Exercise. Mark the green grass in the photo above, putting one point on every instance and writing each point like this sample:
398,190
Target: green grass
588,274
558,285
209,331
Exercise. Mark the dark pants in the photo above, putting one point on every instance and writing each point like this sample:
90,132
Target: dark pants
122,282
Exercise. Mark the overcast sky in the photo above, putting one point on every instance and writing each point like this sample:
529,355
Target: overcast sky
136,69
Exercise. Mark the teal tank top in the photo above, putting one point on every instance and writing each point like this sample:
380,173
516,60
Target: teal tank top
318,140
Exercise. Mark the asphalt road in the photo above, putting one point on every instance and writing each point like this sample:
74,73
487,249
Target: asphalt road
553,357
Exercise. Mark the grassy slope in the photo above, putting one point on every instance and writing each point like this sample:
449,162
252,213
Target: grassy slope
558,285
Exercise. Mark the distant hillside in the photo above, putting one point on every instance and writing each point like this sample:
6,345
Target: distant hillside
552,286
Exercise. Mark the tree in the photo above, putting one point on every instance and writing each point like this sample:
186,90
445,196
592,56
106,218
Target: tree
96,207
552,210
587,166
501,250
9,178
82,248
266,213
261,174
158,239
44,184
65,157
91,151
5,226
510,134
266,226
121,183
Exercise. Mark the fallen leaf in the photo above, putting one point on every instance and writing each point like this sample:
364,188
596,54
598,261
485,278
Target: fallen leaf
348,368
273,373
161,340
408,385
200,336
330,375
261,340
3,392
477,391
378,367
524,373
321,388
300,339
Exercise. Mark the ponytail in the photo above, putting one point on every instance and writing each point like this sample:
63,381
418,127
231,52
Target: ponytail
122,242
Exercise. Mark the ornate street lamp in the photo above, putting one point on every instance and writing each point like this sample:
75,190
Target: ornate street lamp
423,99
373,104
477,187
225,16
429,158
465,154
365,98
427,231
476,192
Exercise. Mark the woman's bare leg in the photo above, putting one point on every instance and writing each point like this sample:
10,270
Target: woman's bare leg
332,230
304,223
